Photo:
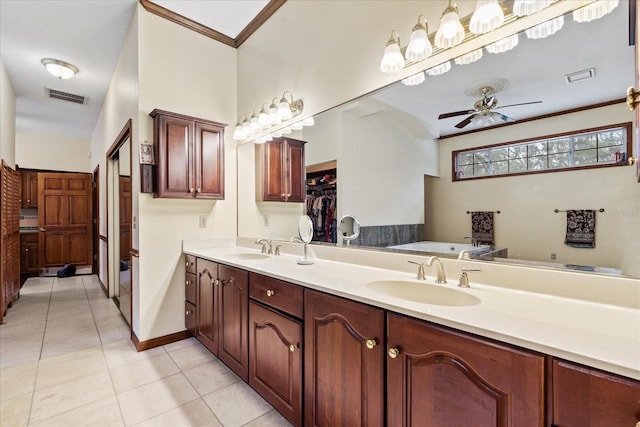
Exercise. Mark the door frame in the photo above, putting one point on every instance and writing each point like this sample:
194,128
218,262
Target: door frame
95,268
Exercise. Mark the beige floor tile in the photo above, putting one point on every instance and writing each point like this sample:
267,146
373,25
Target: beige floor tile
155,398
102,413
191,356
19,353
132,375
122,352
270,419
237,404
180,344
115,334
18,380
70,395
192,414
75,343
211,376
70,366
15,412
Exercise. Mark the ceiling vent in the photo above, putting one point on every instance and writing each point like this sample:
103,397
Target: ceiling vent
65,96
580,75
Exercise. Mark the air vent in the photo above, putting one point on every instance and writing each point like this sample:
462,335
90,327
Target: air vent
65,96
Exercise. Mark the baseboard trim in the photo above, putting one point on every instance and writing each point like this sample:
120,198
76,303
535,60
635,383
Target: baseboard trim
157,342
104,289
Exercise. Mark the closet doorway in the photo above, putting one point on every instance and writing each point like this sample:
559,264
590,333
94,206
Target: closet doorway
119,220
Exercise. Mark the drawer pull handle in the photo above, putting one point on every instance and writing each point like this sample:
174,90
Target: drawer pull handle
270,292
393,353
371,344
188,282
293,347
188,312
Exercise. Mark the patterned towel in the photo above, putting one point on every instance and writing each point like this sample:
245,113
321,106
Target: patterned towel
482,227
581,229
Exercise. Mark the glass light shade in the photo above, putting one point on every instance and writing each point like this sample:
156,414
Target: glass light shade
263,119
503,45
309,121
595,10
414,80
450,32
286,131
529,7
59,69
254,123
277,134
246,127
439,69
392,60
545,29
419,45
268,138
297,126
284,110
469,58
487,17
274,117
238,132
260,140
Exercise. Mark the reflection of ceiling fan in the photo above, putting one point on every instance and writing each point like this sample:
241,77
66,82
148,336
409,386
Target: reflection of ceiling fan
483,109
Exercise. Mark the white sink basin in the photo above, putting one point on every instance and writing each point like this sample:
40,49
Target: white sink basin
424,293
249,257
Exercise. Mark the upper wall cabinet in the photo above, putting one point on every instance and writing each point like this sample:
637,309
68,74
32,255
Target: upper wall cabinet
280,171
189,156
29,189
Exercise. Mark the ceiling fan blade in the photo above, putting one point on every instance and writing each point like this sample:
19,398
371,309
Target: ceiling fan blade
464,122
455,114
515,105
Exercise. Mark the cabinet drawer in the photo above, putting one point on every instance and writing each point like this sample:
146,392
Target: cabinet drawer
277,294
190,288
190,264
190,317
29,238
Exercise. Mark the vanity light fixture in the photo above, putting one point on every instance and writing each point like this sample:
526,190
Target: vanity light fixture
529,7
59,69
284,107
439,69
238,132
414,80
469,58
297,125
595,10
263,118
450,32
309,121
419,47
546,28
392,60
503,45
487,17
253,122
274,117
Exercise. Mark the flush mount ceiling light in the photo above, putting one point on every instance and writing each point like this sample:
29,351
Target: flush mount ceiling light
529,7
419,45
545,29
59,69
450,32
487,17
595,10
469,58
392,60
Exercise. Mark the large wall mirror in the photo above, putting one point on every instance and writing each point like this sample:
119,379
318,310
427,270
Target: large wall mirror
394,156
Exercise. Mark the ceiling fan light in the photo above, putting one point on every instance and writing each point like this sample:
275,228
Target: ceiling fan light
595,10
439,69
414,80
419,45
59,69
529,7
545,29
450,32
469,58
503,45
392,60
487,17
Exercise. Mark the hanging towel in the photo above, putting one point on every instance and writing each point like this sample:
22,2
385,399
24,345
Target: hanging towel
581,229
482,227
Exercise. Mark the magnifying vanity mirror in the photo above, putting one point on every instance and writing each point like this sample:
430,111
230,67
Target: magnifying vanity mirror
394,154
348,228
305,231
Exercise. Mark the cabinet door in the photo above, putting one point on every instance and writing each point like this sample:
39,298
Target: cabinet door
590,398
29,253
274,171
234,300
209,161
344,362
29,190
275,360
174,144
439,377
190,288
296,177
207,309
191,317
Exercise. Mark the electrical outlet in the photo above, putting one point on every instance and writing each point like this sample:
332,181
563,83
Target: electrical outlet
203,221
553,255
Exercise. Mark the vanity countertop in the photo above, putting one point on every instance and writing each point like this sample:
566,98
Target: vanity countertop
603,336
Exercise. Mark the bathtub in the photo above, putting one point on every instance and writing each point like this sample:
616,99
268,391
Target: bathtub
452,249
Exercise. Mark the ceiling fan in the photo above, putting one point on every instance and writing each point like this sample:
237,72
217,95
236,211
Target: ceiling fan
483,109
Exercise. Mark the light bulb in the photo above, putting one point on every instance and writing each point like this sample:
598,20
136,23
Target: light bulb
419,45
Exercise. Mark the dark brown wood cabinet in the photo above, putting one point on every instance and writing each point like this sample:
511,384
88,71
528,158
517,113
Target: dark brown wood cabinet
281,172
588,397
344,362
28,255
275,344
29,197
207,324
441,377
189,156
191,295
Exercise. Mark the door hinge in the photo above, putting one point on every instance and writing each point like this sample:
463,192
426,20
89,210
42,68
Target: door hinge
95,257
95,220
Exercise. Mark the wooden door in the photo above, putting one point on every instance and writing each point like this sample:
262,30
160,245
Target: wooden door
65,219
174,148
10,239
124,186
441,377
275,360
587,397
296,176
207,309
633,15
209,161
344,377
234,300
96,220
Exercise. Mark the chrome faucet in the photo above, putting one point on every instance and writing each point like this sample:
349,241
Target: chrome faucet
474,242
265,244
420,275
464,278
440,274
464,254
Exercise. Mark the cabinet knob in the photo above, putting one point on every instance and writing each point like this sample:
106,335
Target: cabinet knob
293,347
190,190
188,282
393,352
28,200
199,190
270,292
26,249
283,195
371,344
188,312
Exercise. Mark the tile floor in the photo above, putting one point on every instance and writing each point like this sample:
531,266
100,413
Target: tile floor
66,360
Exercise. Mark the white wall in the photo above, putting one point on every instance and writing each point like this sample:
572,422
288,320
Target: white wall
53,152
184,72
527,225
7,118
